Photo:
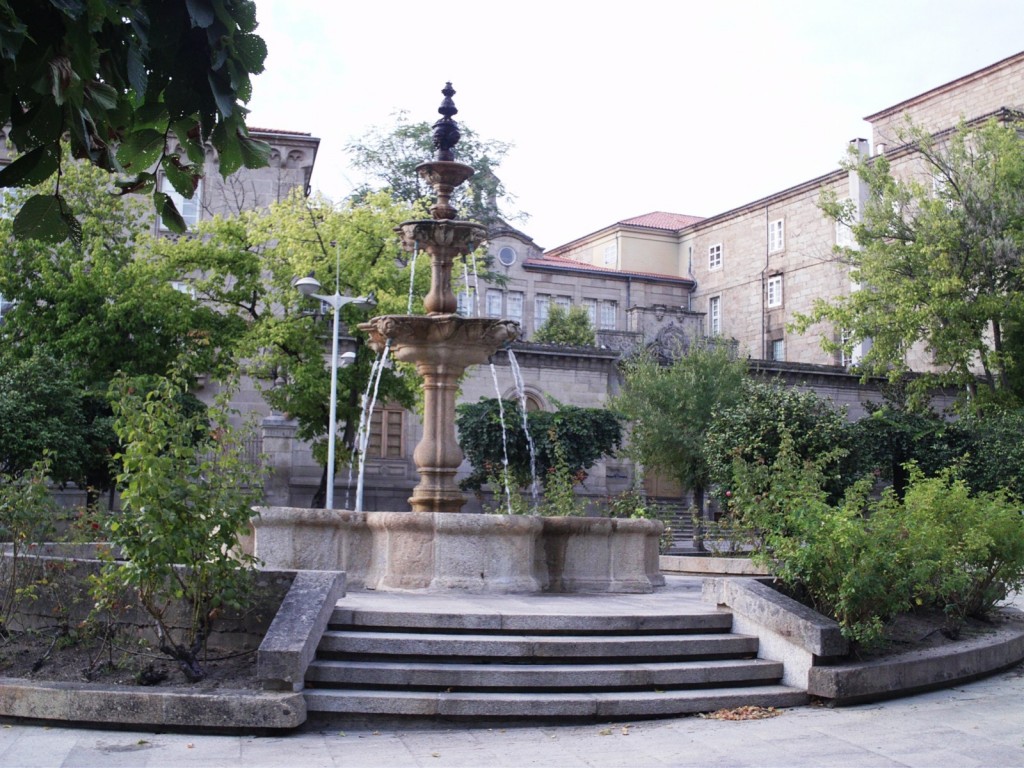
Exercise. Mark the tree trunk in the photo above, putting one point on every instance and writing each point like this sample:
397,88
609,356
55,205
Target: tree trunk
320,497
700,519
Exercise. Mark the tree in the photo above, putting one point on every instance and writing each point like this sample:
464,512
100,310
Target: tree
390,156
754,427
187,492
570,440
891,438
117,79
571,328
244,267
41,413
670,409
103,306
938,257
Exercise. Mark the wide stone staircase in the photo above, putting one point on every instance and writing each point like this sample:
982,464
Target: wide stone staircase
539,657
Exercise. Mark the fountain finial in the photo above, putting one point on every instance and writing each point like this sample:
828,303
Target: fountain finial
446,130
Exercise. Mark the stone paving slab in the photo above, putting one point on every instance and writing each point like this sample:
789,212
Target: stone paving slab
971,725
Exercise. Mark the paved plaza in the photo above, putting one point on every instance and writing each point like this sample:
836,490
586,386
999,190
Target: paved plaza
978,724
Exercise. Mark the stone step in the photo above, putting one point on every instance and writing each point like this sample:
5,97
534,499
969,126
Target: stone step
603,704
441,676
711,620
555,647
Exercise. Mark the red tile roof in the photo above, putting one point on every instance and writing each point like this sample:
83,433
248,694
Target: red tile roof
278,131
662,220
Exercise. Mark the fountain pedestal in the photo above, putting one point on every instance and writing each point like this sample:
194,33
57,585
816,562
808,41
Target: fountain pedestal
441,347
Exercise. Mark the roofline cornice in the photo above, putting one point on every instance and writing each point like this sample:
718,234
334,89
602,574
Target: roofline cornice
537,265
902,106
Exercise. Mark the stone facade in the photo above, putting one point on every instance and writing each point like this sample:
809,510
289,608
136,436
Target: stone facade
755,267
984,92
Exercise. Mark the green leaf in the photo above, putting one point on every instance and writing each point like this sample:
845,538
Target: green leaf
151,115
141,149
141,184
230,150
245,15
222,93
168,213
39,125
138,76
42,218
72,8
200,12
251,51
182,179
33,167
255,153
101,94
187,131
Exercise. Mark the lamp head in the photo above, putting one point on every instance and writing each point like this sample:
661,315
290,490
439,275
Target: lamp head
307,285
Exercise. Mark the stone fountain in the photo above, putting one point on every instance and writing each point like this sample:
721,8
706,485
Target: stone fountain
441,344
436,546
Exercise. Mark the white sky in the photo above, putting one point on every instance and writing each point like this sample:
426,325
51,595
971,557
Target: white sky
618,109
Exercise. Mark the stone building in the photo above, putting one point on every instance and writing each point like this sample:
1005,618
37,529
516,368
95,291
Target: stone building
754,267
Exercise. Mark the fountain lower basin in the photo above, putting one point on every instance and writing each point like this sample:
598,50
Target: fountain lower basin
475,553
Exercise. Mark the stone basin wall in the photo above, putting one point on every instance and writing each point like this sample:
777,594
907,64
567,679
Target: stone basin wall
448,551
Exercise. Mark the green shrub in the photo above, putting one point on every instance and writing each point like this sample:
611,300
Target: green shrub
862,561
974,544
187,492
753,429
27,511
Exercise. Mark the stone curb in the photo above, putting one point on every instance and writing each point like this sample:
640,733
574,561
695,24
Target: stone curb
286,651
916,671
710,566
810,646
290,643
171,707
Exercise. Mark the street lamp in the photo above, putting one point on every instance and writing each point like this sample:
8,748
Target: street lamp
308,286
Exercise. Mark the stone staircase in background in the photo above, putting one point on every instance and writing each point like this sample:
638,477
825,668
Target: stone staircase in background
437,662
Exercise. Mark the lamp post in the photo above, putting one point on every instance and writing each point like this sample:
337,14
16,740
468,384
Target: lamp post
308,286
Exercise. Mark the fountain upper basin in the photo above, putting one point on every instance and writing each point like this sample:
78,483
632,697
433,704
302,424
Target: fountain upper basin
441,338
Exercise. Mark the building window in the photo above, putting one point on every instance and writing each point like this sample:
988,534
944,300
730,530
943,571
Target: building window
715,256
187,207
493,303
507,256
386,427
611,255
715,316
775,291
564,303
845,356
776,236
541,305
844,235
844,232
514,306
777,350
591,306
467,301
181,286
609,316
